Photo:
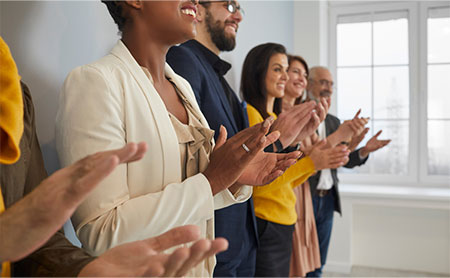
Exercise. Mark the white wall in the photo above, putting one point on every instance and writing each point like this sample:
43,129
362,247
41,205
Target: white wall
47,40
264,21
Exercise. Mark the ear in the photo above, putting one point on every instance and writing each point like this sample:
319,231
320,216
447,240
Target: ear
137,4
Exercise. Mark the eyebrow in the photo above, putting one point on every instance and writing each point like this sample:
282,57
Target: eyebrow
278,64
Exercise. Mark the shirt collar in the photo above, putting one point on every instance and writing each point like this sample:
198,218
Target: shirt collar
219,65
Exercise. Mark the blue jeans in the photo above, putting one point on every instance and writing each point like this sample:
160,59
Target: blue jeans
323,213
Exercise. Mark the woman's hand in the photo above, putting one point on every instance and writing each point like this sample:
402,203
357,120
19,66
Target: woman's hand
145,258
330,158
266,167
230,158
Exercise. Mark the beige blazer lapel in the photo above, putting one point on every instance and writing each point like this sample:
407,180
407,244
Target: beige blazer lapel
167,135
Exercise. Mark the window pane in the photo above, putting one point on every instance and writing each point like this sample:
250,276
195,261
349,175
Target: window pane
354,92
390,40
439,40
438,147
391,91
438,91
354,44
392,159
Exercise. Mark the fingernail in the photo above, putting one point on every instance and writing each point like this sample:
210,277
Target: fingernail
263,139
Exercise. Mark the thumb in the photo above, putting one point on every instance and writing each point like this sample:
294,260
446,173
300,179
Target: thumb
357,114
378,134
222,137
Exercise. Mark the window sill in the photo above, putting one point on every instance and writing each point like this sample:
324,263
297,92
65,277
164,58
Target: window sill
397,196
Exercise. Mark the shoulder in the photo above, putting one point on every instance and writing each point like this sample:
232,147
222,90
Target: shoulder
254,117
181,56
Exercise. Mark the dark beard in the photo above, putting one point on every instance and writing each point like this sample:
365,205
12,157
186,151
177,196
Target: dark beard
217,33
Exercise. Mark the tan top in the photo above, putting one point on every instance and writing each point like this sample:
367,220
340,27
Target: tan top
194,140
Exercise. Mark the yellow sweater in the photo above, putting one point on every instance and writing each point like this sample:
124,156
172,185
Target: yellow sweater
11,117
275,202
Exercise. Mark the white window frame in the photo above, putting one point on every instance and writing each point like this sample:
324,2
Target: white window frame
423,17
417,39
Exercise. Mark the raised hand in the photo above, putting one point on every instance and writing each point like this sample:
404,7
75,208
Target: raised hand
29,223
373,145
317,117
347,130
290,123
230,157
357,139
145,258
329,158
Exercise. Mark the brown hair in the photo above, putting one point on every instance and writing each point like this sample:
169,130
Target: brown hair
292,58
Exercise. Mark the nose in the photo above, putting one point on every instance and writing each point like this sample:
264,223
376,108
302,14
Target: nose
195,2
285,75
237,16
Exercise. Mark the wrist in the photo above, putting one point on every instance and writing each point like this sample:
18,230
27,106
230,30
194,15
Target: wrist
363,152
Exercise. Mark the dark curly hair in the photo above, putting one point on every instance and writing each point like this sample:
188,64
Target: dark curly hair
115,10
253,86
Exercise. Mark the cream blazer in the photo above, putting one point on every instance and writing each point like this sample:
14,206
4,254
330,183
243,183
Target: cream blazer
103,106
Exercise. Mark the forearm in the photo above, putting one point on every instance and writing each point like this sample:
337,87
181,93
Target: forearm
56,258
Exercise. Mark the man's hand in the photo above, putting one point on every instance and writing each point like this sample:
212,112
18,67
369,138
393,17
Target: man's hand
30,222
145,258
290,123
373,145
329,158
357,139
347,130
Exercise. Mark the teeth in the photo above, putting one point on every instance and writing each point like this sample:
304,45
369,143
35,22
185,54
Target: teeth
189,12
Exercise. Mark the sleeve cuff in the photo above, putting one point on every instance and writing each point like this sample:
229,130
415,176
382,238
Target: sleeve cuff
226,198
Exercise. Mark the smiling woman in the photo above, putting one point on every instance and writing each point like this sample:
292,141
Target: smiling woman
133,95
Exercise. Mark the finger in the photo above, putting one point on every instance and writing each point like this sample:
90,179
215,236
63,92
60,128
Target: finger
301,110
142,148
357,114
197,252
124,153
217,245
175,261
89,174
271,138
378,134
222,138
173,237
155,266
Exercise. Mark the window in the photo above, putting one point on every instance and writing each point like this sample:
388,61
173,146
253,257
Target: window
438,88
375,55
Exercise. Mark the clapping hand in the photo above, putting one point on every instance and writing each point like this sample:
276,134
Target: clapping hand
145,258
373,145
30,222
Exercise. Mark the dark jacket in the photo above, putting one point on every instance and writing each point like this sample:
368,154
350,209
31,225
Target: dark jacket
203,70
57,257
332,123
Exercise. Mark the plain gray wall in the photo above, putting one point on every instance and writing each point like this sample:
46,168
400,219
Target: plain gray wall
50,38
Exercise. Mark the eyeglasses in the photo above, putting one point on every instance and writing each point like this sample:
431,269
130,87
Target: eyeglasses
231,6
324,82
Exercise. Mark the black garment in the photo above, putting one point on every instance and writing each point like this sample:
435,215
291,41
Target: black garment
273,257
220,105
